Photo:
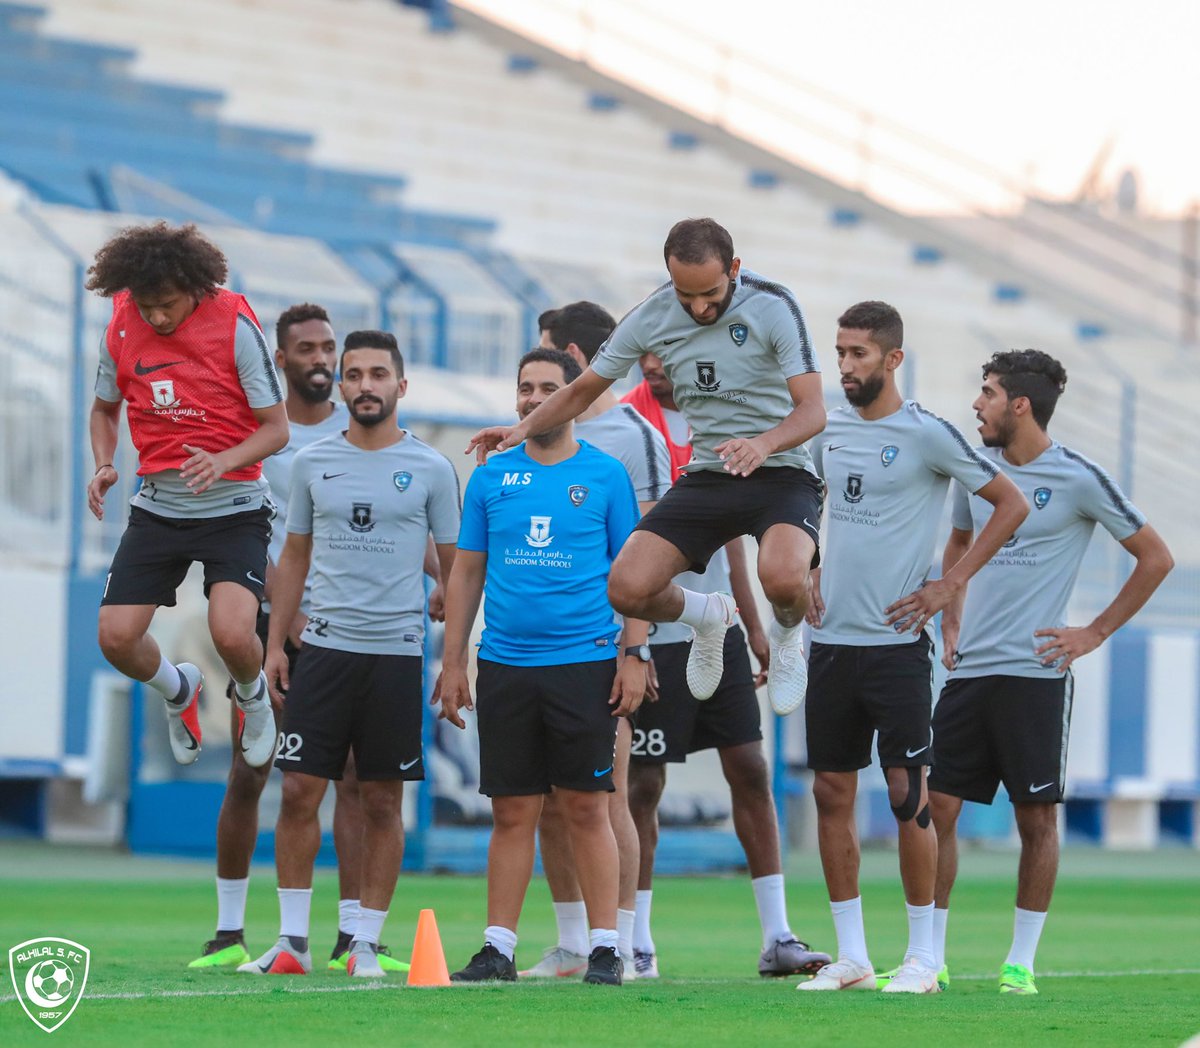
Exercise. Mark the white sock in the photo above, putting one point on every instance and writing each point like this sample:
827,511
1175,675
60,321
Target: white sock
625,922
851,936
504,939
167,680
369,925
770,897
1027,930
643,942
294,906
572,926
231,903
920,935
603,937
248,692
940,917
347,915
694,607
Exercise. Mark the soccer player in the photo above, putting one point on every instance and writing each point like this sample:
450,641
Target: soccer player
887,464
1004,714
736,349
363,504
204,409
306,353
541,526
579,329
677,725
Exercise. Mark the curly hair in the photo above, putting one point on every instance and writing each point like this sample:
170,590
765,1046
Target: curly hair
1033,374
146,260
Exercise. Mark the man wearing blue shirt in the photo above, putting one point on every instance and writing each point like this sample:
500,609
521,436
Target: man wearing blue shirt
541,527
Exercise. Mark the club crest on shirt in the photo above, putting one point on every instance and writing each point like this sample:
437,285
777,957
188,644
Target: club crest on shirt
360,517
402,478
888,455
577,493
739,334
853,491
539,535
164,393
706,376
1041,496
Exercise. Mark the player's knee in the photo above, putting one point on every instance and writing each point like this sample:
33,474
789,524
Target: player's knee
380,805
745,770
833,793
246,783
298,799
117,640
786,589
624,593
234,644
904,794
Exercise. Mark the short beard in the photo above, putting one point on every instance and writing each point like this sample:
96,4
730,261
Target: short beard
549,438
721,308
1003,435
867,392
372,420
312,395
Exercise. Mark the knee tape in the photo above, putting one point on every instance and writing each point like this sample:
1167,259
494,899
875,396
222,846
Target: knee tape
909,809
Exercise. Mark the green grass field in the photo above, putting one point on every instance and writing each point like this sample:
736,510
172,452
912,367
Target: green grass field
1119,963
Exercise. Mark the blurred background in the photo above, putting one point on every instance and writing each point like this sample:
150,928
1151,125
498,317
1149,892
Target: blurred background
448,170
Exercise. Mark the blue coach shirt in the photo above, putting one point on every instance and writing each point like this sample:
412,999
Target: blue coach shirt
550,534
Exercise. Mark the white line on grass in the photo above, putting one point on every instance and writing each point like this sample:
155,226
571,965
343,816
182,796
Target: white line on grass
303,988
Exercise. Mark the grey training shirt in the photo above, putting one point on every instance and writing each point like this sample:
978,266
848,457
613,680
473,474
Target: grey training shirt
369,514
622,433
886,483
730,377
166,493
1026,585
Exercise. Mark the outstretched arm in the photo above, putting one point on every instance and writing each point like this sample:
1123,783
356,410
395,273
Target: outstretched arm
560,407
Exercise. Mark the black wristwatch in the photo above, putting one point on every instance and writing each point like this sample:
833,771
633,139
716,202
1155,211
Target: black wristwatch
639,651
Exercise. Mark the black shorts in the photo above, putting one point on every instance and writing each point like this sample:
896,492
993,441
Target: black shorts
666,731
855,691
341,701
156,552
706,509
544,726
988,730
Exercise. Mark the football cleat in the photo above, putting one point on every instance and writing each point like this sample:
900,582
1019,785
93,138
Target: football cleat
645,964
557,963
943,978
488,965
281,959
227,950
604,967
1016,978
790,957
387,962
706,660
183,719
257,736
912,977
628,967
363,962
787,676
842,975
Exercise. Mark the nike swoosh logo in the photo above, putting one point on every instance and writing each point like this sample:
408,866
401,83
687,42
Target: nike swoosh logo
810,524
835,447
254,578
408,764
913,753
330,476
141,369
600,774
1038,789
672,341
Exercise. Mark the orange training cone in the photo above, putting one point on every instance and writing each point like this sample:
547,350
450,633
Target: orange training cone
428,959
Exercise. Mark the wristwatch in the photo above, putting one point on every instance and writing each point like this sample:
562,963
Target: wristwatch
639,651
